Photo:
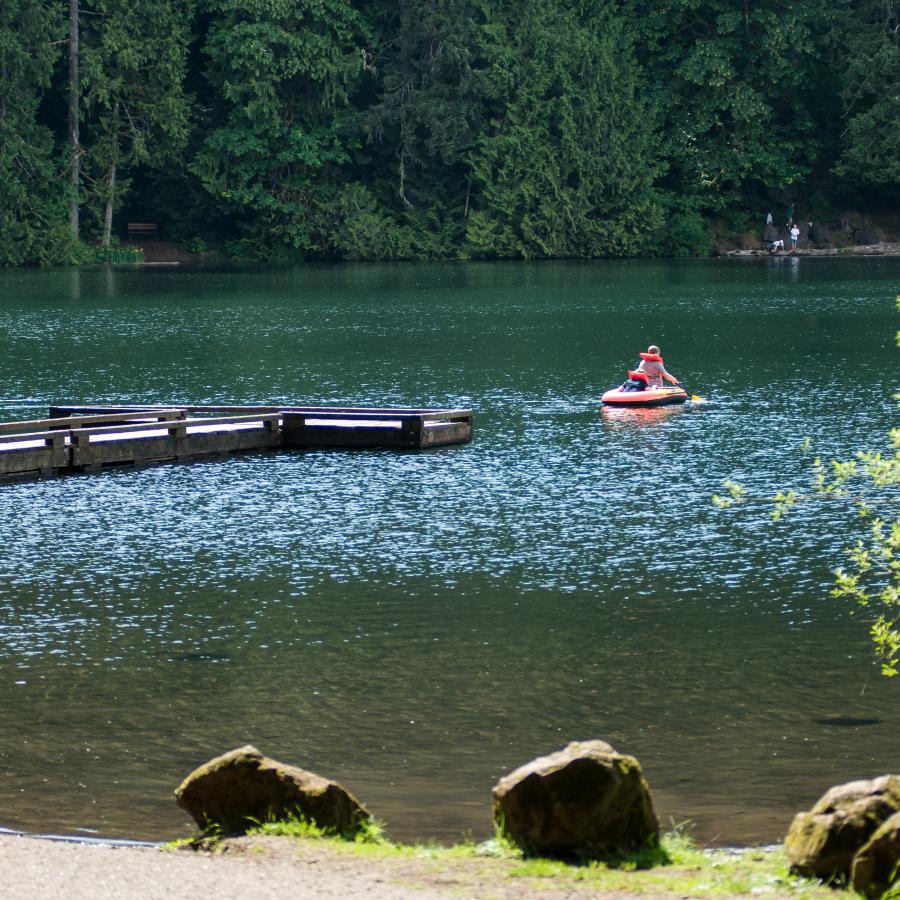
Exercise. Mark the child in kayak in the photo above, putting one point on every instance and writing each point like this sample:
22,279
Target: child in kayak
652,366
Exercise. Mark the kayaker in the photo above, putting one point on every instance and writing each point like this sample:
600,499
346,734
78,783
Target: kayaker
652,366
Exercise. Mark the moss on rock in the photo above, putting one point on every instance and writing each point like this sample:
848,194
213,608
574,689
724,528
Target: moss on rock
243,788
876,867
585,800
823,841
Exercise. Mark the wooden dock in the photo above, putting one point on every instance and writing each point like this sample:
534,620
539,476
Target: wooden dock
90,438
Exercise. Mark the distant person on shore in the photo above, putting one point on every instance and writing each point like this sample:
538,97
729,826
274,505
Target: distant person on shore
795,237
652,366
777,244
769,220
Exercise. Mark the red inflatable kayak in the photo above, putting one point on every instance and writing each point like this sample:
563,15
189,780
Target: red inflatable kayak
663,396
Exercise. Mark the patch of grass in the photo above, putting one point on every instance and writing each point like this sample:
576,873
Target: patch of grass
297,825
180,843
676,867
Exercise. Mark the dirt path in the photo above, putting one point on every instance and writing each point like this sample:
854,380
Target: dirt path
47,870
264,869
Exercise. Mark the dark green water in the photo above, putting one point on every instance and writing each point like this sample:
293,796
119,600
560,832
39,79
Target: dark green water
416,625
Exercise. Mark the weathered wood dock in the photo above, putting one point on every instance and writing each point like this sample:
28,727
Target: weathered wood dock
90,438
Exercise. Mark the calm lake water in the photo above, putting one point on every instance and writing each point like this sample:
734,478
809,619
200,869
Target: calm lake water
416,625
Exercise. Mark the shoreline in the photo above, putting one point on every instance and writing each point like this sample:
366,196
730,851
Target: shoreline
881,249
162,255
275,866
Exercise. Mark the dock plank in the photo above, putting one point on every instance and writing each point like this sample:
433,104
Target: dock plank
89,438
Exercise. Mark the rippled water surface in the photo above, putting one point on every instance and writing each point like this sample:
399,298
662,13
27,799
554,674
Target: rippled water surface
416,625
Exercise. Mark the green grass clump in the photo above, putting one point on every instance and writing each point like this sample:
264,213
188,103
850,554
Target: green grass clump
298,826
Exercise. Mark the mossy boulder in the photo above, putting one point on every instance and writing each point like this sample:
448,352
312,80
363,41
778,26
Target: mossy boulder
877,865
586,800
823,841
242,788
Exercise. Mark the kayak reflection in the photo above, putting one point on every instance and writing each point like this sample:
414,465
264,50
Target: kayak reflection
638,416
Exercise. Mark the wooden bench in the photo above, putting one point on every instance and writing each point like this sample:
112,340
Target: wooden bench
142,229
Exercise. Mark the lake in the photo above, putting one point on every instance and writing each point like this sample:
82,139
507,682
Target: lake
416,625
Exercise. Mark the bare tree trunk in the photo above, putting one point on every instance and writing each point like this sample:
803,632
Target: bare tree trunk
74,89
111,180
110,198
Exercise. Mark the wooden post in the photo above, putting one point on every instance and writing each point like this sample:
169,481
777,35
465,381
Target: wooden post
178,431
412,431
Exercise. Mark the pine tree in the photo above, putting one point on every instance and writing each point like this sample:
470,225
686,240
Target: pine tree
32,190
282,71
135,109
567,163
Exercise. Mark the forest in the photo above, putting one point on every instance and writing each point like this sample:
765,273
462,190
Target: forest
425,129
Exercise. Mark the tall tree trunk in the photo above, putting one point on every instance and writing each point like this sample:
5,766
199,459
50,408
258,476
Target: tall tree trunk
110,199
74,88
111,180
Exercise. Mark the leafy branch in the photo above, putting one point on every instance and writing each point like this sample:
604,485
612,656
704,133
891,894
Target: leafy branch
871,578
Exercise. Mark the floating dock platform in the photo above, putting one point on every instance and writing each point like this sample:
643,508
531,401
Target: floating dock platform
77,439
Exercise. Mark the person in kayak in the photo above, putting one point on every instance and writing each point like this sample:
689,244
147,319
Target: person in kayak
652,366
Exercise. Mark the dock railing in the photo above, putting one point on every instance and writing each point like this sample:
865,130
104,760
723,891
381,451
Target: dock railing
337,426
88,438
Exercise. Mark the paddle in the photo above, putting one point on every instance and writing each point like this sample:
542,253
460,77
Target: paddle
695,398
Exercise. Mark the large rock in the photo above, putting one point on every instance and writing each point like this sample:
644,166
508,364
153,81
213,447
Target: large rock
820,234
877,865
868,234
823,841
586,800
243,788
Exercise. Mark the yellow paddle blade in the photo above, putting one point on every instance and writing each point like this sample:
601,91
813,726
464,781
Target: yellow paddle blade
696,399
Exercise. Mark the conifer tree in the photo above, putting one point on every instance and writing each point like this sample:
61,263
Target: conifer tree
135,109
32,189
567,163
282,71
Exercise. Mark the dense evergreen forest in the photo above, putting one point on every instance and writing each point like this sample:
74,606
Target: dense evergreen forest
404,129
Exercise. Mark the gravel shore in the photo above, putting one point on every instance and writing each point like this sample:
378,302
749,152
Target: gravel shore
47,870
260,868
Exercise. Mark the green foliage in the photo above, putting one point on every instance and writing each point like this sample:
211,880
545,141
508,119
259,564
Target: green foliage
737,493
566,164
418,129
361,231
867,54
298,826
135,109
32,189
684,233
737,86
282,70
433,85
872,578
783,501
